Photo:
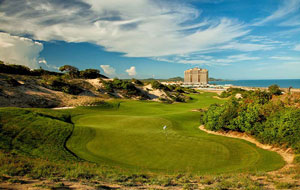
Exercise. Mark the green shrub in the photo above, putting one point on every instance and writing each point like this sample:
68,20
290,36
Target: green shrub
90,74
275,90
137,82
269,121
14,69
72,71
126,86
157,85
58,84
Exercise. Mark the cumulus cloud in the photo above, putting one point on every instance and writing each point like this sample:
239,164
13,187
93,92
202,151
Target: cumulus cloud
137,28
108,70
131,71
19,50
44,63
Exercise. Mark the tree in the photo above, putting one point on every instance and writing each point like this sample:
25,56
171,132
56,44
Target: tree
72,71
90,73
275,90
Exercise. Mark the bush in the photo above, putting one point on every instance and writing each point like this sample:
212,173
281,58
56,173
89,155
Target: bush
137,82
128,87
58,84
270,122
90,73
14,69
73,72
232,92
158,85
275,90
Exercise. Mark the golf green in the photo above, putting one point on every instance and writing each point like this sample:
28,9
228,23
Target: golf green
131,136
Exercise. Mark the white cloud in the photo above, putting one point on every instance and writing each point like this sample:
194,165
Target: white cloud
243,57
286,8
247,47
108,70
19,50
138,28
283,58
42,61
297,47
293,21
131,71
194,59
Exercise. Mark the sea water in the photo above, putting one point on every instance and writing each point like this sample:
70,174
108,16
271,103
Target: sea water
283,83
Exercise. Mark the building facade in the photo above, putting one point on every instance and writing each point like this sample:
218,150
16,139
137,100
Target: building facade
196,76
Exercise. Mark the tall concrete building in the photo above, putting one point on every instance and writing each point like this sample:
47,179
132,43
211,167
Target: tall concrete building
196,76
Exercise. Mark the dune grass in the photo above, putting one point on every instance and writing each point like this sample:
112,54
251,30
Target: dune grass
130,135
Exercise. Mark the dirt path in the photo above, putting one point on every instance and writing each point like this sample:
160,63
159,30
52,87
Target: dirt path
286,154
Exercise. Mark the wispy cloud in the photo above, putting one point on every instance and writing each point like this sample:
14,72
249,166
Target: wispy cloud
294,21
297,47
247,47
19,50
193,59
137,28
285,58
286,8
108,70
131,71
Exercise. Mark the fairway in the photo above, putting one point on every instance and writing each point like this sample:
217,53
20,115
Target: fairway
131,136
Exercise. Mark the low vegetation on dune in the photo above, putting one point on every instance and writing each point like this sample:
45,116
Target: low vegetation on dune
23,87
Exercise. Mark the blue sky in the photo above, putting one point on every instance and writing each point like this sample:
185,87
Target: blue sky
233,39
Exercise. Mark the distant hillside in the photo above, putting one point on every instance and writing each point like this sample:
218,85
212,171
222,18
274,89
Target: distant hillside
214,79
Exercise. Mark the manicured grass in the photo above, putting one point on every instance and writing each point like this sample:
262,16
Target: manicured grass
131,136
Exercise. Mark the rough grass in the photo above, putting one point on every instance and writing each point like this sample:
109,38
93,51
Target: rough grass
130,136
36,133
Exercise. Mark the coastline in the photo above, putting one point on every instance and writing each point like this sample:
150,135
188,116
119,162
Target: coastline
261,83
286,90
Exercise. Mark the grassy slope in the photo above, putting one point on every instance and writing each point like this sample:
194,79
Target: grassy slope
36,133
132,137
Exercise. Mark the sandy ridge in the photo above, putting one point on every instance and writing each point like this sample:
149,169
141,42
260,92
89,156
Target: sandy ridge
287,156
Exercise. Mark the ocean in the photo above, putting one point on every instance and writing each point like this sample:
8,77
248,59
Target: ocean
283,83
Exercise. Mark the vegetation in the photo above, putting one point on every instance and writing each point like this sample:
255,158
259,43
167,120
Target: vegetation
231,92
137,82
59,84
275,90
71,70
135,150
35,133
23,70
269,121
131,137
90,74
128,87
157,85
